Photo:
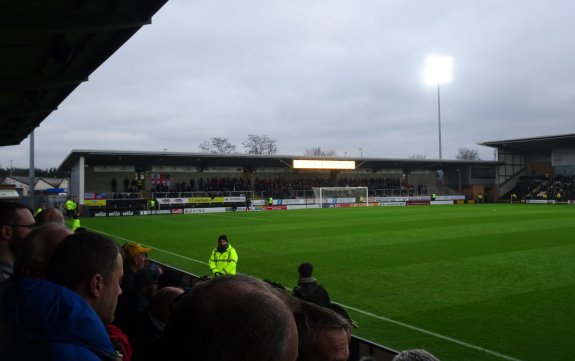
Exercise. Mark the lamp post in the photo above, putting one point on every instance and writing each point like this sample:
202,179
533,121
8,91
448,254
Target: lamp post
361,152
438,71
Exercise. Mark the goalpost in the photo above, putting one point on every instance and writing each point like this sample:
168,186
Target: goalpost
340,195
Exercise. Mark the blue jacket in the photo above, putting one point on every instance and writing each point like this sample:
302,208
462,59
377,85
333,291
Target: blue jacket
46,321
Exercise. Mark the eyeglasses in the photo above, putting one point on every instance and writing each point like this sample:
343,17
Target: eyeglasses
29,226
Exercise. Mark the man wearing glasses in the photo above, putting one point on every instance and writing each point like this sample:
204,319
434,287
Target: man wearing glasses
16,221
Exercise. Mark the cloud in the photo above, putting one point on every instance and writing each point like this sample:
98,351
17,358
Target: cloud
341,75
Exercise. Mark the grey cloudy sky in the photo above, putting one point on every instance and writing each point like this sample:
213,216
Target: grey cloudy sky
338,74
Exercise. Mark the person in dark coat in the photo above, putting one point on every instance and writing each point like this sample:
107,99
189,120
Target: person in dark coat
308,289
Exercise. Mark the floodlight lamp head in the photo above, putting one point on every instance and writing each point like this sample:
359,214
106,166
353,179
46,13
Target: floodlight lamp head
438,70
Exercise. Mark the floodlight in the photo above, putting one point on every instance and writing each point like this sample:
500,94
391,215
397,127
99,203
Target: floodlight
438,70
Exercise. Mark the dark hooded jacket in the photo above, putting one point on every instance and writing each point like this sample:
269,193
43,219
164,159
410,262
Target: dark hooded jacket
45,321
309,290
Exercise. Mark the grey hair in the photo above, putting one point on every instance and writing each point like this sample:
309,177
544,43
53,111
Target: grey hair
415,355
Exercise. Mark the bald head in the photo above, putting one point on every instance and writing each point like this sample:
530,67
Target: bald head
232,317
161,304
50,215
33,253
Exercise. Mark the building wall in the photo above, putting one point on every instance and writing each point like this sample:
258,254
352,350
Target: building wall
540,168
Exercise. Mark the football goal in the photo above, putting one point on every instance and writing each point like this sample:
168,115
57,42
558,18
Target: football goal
342,196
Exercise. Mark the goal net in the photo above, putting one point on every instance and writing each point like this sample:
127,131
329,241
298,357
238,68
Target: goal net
342,196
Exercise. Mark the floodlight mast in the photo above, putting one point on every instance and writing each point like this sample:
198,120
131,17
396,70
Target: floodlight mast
438,71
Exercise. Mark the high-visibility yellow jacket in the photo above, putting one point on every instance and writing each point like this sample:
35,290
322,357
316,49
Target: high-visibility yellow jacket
223,263
75,224
70,205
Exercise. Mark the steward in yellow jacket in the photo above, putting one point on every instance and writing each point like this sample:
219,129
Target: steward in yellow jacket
224,258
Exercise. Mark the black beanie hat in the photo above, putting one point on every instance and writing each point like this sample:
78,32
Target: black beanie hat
305,269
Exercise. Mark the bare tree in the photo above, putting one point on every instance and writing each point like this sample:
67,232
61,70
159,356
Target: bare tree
467,154
217,146
418,156
317,151
260,144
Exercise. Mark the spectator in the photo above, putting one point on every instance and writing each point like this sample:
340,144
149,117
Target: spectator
322,333
120,342
308,289
146,342
236,318
137,300
172,278
224,258
91,265
50,215
16,221
57,324
415,355
65,317
33,253
135,259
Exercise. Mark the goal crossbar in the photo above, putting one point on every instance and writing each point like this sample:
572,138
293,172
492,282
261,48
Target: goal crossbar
360,194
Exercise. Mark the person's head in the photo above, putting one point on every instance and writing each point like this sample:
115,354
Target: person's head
136,255
236,318
16,221
171,278
34,251
305,271
222,242
146,281
415,355
91,265
50,215
162,303
323,334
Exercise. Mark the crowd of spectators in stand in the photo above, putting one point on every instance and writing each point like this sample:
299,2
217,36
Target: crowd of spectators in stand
284,188
558,188
214,184
277,188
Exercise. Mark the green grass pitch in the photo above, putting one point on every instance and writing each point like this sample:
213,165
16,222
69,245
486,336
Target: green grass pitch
467,282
